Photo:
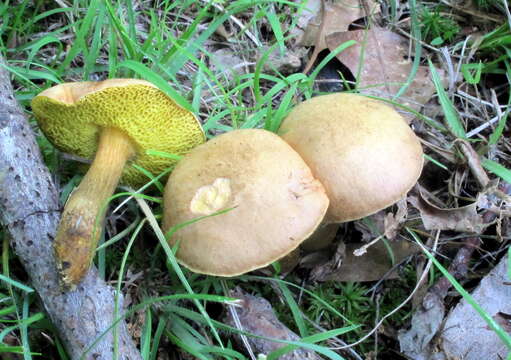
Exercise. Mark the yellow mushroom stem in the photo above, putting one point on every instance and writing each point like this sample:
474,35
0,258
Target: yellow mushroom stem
84,213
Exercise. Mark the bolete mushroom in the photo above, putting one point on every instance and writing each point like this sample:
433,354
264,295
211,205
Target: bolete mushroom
271,199
360,149
115,122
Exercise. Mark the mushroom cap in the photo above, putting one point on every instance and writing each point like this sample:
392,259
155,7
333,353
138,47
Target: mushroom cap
272,200
72,114
361,150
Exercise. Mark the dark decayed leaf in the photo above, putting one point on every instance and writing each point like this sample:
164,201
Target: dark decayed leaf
372,266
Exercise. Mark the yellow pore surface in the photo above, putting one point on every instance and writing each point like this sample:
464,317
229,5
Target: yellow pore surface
72,114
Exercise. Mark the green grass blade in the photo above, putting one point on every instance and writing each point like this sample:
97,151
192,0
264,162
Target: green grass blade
416,34
27,355
96,44
79,44
145,73
295,310
162,324
16,284
128,43
451,115
311,339
497,169
275,25
329,57
436,162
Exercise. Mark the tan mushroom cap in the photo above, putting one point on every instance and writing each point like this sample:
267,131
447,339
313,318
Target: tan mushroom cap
72,115
361,150
275,203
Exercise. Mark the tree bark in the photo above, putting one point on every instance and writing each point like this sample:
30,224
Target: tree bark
29,211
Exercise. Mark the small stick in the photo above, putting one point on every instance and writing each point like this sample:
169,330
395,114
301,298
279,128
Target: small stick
474,163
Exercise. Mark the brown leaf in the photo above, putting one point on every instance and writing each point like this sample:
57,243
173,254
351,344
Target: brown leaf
392,222
373,265
462,219
310,10
256,316
383,222
465,333
416,341
504,320
338,17
385,67
371,226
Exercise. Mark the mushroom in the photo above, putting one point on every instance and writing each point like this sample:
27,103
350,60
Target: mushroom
113,121
360,149
254,196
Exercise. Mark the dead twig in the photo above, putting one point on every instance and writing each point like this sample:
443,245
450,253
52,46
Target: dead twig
474,163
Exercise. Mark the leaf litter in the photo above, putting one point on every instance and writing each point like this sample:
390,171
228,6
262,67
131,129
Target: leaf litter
338,17
381,65
382,74
465,334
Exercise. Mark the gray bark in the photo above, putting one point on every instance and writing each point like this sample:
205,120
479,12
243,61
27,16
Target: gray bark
29,211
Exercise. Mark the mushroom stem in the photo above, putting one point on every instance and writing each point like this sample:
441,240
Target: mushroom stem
321,238
84,213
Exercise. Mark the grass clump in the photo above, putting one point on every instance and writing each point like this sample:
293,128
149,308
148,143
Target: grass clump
437,27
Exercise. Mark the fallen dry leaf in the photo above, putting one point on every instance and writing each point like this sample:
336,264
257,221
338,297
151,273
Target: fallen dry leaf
418,342
426,322
310,10
256,316
338,17
465,334
383,223
504,320
393,222
385,65
225,63
462,219
371,266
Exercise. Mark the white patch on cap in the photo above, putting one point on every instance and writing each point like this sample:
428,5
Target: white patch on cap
211,198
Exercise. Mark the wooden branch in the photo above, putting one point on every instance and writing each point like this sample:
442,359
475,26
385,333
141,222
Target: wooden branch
29,210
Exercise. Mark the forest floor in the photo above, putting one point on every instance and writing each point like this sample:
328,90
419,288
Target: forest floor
436,283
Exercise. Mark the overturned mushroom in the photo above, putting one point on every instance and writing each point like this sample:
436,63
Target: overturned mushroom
272,200
115,122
